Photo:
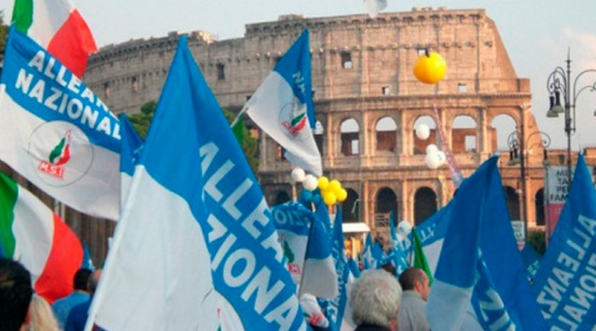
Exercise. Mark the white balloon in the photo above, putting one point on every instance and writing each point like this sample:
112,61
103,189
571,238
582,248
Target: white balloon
310,182
404,228
423,132
432,161
442,157
297,175
432,149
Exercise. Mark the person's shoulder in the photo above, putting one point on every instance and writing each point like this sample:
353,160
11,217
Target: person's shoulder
81,308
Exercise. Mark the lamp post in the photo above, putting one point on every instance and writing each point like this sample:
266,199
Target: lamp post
518,154
559,82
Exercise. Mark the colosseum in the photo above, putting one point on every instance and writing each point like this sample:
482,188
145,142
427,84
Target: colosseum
367,105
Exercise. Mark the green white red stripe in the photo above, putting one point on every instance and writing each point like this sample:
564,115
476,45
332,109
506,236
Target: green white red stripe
32,234
58,27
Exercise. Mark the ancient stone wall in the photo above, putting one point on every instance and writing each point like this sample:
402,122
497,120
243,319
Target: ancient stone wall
361,70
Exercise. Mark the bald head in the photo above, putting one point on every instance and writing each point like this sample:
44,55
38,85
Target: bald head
415,279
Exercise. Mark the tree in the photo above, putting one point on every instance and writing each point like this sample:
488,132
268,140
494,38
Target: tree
141,122
3,35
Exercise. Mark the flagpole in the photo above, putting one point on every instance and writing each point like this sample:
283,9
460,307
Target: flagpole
242,112
305,258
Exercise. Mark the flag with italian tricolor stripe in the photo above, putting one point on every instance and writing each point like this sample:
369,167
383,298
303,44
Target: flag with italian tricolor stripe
32,234
58,27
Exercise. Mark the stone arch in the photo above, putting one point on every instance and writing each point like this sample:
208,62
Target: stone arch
280,197
319,134
464,134
386,134
385,202
350,208
501,127
419,146
512,198
425,204
350,137
540,207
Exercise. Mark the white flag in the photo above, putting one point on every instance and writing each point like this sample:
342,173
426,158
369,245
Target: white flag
282,106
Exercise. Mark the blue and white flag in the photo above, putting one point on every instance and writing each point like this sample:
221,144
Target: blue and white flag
306,248
87,260
455,275
566,280
56,132
531,259
399,257
503,297
432,234
282,107
338,310
130,152
480,253
372,254
196,248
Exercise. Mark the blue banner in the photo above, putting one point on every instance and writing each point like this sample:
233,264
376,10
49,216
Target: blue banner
43,86
565,283
224,197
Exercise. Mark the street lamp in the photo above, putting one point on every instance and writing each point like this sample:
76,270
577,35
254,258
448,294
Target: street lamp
517,155
559,84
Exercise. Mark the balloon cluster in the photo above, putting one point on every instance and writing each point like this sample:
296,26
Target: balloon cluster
434,157
330,191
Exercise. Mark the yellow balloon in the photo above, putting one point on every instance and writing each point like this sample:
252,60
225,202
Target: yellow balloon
323,182
341,195
430,68
329,198
334,185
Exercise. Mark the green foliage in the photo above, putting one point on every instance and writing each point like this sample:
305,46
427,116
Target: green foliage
3,35
249,144
142,120
536,238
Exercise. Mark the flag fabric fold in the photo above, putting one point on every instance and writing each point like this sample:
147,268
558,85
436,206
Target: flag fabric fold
56,132
32,234
282,107
196,248
566,279
57,26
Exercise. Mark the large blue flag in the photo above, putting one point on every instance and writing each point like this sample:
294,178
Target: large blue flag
480,257
196,248
566,280
502,297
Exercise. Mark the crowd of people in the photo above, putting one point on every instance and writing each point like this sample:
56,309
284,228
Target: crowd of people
379,301
21,309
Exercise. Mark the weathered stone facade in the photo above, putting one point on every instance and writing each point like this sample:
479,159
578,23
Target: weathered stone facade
362,71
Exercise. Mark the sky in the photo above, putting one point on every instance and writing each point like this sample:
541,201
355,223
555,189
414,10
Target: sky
537,35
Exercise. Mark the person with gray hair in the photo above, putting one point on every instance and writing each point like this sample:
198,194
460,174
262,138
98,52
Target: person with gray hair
375,299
